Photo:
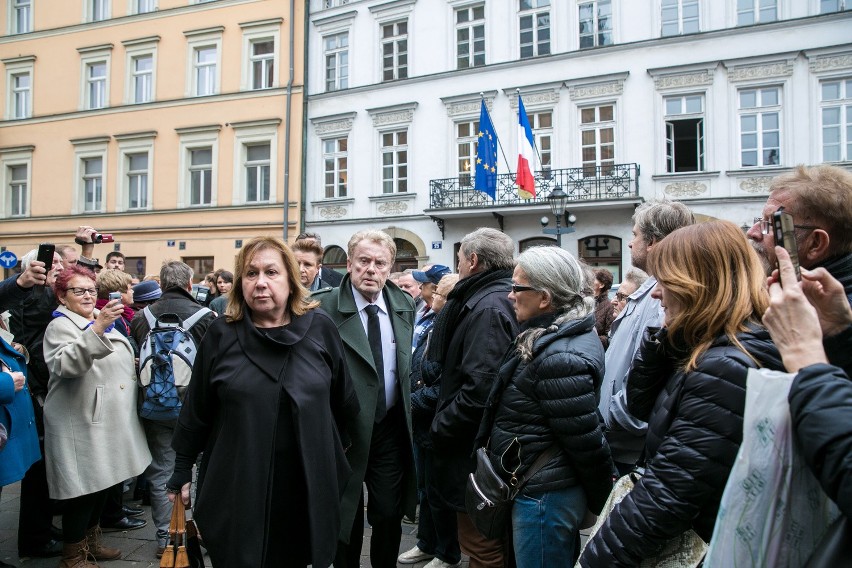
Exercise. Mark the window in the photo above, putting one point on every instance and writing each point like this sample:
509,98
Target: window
754,11
467,136
470,37
97,10
828,6
395,161
21,95
597,139
96,85
93,180
836,119
679,17
595,23
201,176
336,61
21,18
335,169
602,251
137,181
144,6
534,27
760,126
684,133
204,74
142,78
542,128
262,61
18,192
395,51
257,162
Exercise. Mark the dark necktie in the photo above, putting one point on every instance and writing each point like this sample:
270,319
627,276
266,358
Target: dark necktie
374,336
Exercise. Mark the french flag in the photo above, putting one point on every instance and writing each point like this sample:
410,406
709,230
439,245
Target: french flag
526,156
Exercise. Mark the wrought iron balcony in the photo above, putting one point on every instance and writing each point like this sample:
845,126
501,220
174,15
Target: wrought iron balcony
617,181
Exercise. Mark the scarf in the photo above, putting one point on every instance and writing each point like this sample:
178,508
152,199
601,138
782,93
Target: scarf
448,318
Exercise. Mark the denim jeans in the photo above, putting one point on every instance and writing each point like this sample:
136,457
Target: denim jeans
545,527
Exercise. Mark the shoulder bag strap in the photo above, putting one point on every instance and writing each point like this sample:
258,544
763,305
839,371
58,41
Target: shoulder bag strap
539,463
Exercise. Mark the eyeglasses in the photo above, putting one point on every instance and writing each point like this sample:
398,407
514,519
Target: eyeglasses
766,225
83,291
520,288
621,296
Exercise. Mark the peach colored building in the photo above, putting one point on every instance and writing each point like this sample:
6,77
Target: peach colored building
176,125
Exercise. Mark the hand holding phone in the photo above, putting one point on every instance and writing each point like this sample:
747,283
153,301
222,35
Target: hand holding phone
784,232
115,296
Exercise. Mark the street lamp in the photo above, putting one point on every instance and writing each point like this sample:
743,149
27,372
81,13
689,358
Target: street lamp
558,200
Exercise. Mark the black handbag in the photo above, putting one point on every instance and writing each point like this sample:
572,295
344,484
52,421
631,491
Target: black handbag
488,499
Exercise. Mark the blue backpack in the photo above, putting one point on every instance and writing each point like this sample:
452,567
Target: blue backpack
165,364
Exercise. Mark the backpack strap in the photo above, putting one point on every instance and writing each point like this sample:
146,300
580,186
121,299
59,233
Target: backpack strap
150,318
194,318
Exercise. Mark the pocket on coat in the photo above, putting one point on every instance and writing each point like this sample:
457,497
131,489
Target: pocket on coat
97,415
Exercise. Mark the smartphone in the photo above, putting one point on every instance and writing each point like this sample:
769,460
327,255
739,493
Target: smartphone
785,235
202,293
45,254
115,296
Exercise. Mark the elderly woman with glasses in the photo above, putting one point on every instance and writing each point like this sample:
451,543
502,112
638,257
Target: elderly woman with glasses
93,437
544,401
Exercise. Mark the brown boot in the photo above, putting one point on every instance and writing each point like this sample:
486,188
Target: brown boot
76,555
96,546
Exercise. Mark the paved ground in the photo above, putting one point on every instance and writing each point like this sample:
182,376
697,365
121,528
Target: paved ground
138,546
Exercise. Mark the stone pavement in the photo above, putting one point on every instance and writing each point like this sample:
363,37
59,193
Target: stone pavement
139,546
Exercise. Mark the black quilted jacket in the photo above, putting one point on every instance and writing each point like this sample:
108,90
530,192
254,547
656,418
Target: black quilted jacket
695,423
551,399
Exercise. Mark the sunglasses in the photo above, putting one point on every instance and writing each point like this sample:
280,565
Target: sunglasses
521,288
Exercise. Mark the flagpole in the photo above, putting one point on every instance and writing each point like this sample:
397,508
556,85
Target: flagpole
508,167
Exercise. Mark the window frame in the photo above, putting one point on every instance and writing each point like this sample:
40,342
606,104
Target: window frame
133,146
536,44
195,41
466,164
397,70
134,6
670,153
844,106
759,112
91,7
253,134
11,158
755,11
596,32
394,150
15,7
134,50
341,81
89,57
17,67
597,126
197,139
335,156
472,25
257,32
679,6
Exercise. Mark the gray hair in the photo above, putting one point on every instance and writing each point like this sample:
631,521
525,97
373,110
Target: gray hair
377,237
657,218
495,249
28,258
175,274
636,276
558,273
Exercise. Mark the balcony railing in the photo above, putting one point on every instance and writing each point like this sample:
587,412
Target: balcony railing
617,181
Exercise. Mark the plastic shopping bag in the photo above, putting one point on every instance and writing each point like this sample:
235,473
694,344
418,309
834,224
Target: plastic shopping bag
773,512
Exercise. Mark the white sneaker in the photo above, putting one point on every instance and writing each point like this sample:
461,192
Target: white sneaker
438,563
414,556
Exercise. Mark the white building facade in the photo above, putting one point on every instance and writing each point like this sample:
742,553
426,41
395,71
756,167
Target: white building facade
702,101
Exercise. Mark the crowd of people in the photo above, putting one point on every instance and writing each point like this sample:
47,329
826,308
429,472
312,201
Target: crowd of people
369,392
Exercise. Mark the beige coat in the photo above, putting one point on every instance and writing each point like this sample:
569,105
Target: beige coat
93,437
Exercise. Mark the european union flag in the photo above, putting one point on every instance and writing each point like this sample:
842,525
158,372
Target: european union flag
485,178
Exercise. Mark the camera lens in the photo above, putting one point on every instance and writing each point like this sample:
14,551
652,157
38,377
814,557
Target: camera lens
97,238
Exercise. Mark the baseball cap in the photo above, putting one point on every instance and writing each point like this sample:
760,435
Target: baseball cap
433,275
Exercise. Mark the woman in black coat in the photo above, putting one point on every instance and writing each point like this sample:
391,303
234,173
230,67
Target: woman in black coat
544,397
268,399
688,382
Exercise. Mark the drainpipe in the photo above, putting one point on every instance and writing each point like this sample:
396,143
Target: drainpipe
287,113
305,77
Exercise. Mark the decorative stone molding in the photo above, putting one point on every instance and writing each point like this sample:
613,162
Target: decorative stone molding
466,108
686,188
332,212
468,105
337,126
393,208
536,99
579,92
772,70
833,62
683,80
756,184
384,119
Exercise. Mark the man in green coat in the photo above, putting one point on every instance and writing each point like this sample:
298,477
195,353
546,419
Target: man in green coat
375,320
